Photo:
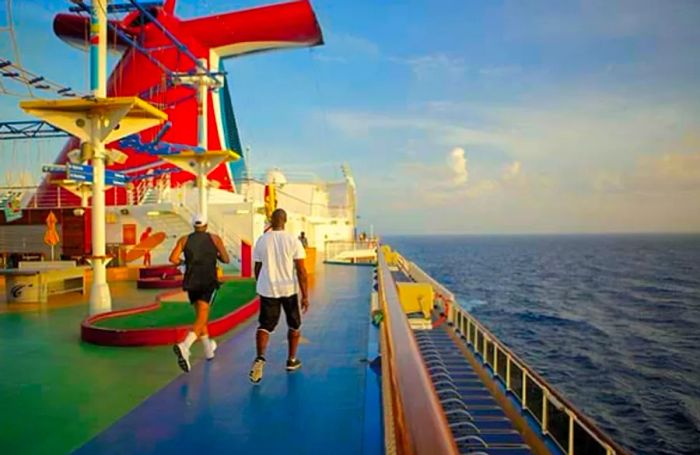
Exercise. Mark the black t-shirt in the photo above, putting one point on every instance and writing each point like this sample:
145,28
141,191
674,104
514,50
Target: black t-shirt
200,262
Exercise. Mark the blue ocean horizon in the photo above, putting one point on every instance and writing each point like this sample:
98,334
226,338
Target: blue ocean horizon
610,320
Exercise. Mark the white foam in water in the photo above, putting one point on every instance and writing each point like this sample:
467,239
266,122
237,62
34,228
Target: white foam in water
470,304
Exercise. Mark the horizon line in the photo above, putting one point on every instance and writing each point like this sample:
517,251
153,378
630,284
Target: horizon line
541,234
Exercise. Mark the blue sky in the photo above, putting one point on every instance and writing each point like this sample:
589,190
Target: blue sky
470,116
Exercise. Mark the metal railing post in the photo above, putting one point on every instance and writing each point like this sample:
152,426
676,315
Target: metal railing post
469,331
570,450
524,397
545,417
508,372
495,359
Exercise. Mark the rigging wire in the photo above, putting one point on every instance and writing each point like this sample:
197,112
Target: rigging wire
10,30
17,73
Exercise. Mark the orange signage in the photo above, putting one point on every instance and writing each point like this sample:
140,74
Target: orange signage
129,234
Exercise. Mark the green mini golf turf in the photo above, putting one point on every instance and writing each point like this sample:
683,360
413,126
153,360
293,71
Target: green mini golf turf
231,296
57,392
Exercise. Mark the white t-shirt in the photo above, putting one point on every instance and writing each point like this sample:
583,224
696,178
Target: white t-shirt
277,250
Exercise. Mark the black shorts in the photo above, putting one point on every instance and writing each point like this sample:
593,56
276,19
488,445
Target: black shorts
204,294
270,312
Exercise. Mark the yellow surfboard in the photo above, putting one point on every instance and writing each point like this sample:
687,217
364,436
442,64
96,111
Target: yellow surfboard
145,245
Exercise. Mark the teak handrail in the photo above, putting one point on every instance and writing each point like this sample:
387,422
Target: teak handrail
419,422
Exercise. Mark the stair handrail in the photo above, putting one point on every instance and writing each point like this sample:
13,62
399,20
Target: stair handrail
140,192
162,184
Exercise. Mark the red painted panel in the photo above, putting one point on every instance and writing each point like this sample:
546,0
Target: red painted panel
233,33
246,260
87,220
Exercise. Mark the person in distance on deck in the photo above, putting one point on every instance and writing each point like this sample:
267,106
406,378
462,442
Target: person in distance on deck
202,250
280,275
304,241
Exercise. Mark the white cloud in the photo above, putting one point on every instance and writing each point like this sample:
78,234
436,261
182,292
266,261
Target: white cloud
435,185
457,163
667,173
500,71
346,44
584,162
443,176
355,123
600,19
575,132
431,65
512,171
328,58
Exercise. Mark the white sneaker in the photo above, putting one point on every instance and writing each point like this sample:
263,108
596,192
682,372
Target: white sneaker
212,346
183,357
256,370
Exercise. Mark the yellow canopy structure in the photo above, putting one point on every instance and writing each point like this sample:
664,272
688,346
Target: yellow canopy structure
119,116
190,161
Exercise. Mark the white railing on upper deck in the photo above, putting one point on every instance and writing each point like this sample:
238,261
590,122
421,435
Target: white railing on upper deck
30,197
362,249
150,190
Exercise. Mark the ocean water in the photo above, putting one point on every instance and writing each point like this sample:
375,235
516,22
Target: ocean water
611,321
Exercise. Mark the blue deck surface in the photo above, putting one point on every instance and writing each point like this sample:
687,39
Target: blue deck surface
318,409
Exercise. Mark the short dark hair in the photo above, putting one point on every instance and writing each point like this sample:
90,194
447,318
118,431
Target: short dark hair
278,217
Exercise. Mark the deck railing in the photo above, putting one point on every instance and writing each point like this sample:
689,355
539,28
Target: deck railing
558,419
414,422
334,248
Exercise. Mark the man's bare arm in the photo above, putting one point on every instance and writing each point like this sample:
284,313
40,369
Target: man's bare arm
177,251
303,285
258,267
223,254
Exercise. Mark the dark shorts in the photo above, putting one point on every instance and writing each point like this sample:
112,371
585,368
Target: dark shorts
270,309
203,294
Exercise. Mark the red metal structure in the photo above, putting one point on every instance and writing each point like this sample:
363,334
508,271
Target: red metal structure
213,38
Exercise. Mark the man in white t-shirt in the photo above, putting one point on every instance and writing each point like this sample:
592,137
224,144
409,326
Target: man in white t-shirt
279,272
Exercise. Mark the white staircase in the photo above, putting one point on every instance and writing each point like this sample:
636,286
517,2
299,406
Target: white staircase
175,208
232,242
151,196
174,227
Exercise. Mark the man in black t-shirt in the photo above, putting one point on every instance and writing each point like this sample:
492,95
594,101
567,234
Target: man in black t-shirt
201,250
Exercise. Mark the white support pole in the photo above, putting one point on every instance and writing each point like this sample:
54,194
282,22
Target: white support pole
202,91
101,10
100,298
